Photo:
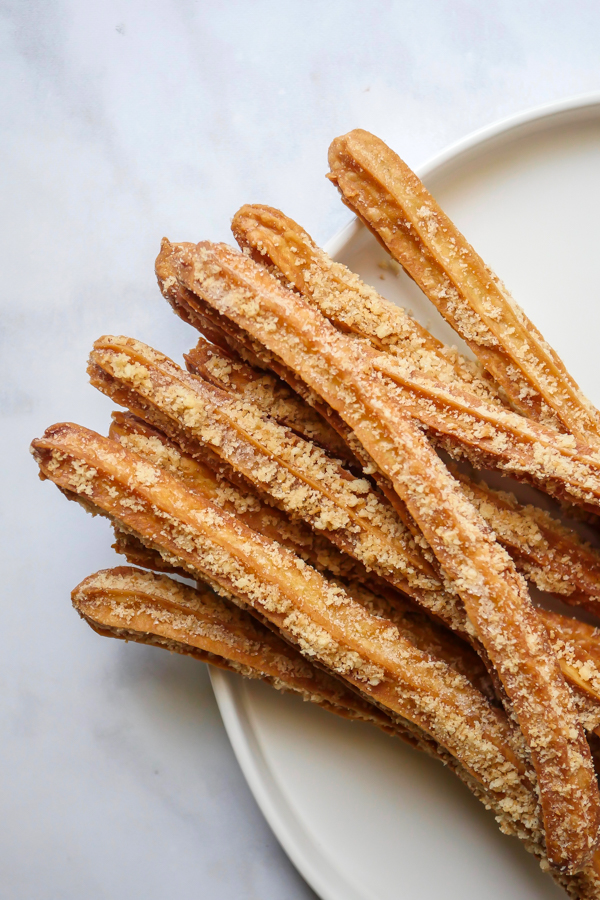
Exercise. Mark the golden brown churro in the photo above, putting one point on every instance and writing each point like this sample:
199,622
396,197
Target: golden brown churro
578,645
374,595
209,478
138,606
134,605
466,424
380,188
109,479
550,555
295,474
227,371
355,307
327,625
154,446
275,240
343,372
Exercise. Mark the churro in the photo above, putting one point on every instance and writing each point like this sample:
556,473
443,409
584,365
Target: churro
136,606
549,554
373,593
389,198
319,617
295,474
226,370
458,405
139,606
465,424
217,481
342,371
275,240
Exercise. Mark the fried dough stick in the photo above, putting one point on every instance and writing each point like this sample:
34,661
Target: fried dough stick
154,446
460,422
214,480
276,241
578,645
458,413
134,605
389,198
295,474
319,617
374,595
131,604
139,606
494,595
225,334
226,370
550,555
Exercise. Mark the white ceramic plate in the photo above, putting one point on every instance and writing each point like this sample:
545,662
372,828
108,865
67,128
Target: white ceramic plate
362,816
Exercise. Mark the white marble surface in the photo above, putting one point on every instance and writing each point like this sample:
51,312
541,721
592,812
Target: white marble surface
124,121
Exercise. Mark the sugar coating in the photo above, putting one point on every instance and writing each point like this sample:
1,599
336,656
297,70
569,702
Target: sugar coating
495,596
325,621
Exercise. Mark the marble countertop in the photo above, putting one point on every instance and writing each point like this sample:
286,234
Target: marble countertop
122,122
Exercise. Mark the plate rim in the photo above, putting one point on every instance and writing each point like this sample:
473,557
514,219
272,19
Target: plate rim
290,833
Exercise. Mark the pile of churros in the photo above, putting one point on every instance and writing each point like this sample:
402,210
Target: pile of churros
316,468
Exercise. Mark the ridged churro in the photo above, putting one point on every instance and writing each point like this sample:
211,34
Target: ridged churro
226,370
208,475
134,605
319,617
278,242
373,593
381,189
139,606
435,384
494,595
549,554
297,470
295,474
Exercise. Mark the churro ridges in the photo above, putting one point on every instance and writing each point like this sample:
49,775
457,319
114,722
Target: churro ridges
136,553
280,243
494,595
228,372
134,605
294,473
492,437
319,617
546,552
430,637
578,645
550,555
219,485
470,426
380,188
149,443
